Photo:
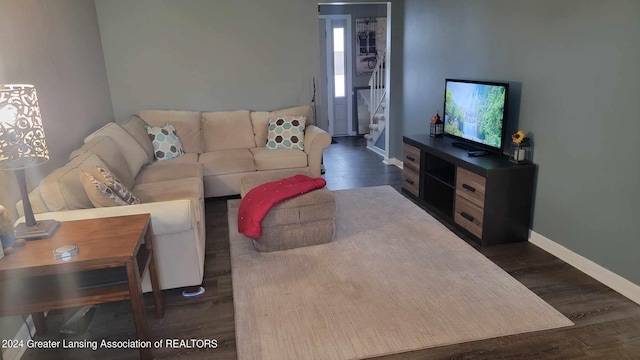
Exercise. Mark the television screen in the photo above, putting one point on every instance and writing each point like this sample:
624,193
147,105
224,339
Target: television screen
475,111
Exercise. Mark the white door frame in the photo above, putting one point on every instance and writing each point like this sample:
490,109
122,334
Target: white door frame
348,73
387,85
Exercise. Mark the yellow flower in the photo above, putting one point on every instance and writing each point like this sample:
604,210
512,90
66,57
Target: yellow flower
518,137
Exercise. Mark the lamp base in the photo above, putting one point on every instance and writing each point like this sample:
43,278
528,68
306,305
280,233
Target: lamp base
41,230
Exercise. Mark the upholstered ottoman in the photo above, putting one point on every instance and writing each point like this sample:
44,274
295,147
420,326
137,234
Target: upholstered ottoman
304,220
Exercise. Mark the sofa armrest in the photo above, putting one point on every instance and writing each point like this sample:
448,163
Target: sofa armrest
315,141
167,217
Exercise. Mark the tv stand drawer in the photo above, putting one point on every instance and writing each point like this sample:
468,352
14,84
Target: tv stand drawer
470,186
411,181
411,158
469,216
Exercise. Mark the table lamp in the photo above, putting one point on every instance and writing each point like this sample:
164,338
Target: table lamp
22,145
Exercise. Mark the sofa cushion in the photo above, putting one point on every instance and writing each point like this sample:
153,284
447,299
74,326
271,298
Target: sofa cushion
37,203
98,192
186,188
227,130
165,141
260,122
272,159
187,158
227,162
135,158
286,132
62,190
137,128
169,170
108,151
187,124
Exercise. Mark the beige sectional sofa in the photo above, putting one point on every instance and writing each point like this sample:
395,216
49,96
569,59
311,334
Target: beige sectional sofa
220,148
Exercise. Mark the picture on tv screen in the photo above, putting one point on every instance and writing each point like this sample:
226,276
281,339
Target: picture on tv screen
475,111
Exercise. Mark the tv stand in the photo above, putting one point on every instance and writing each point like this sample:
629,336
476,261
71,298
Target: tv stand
484,199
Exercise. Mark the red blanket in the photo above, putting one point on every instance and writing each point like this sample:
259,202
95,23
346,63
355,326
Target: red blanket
258,201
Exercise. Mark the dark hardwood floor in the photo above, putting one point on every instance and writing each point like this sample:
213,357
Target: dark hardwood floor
607,325
349,165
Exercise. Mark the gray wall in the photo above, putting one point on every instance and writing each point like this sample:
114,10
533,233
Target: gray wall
575,66
54,45
208,55
356,11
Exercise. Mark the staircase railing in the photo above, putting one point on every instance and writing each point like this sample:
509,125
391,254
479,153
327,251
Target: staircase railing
377,98
376,83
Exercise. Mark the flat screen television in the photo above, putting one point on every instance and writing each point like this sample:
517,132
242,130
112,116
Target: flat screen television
475,113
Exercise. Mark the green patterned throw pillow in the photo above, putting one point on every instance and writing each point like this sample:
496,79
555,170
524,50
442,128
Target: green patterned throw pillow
286,132
166,144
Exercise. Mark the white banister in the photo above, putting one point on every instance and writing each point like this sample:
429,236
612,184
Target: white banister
377,95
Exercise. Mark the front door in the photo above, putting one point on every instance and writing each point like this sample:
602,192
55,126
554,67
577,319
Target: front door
338,73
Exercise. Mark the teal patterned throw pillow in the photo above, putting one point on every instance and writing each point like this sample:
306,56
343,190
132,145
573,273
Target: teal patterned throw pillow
286,132
166,144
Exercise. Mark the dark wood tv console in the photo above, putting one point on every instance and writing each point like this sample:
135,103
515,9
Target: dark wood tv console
487,198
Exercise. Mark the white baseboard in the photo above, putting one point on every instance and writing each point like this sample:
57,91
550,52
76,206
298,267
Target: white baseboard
24,334
616,282
394,162
376,150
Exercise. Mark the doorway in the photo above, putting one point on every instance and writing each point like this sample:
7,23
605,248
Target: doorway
366,52
335,45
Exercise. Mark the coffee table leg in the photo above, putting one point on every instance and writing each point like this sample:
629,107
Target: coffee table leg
153,274
137,303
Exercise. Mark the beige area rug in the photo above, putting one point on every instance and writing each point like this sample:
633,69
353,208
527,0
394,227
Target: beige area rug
393,280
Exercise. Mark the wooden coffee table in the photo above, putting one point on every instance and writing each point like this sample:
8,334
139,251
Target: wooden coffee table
32,281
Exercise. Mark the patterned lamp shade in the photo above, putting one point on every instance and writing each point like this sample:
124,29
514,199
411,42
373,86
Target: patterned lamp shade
22,145
22,142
